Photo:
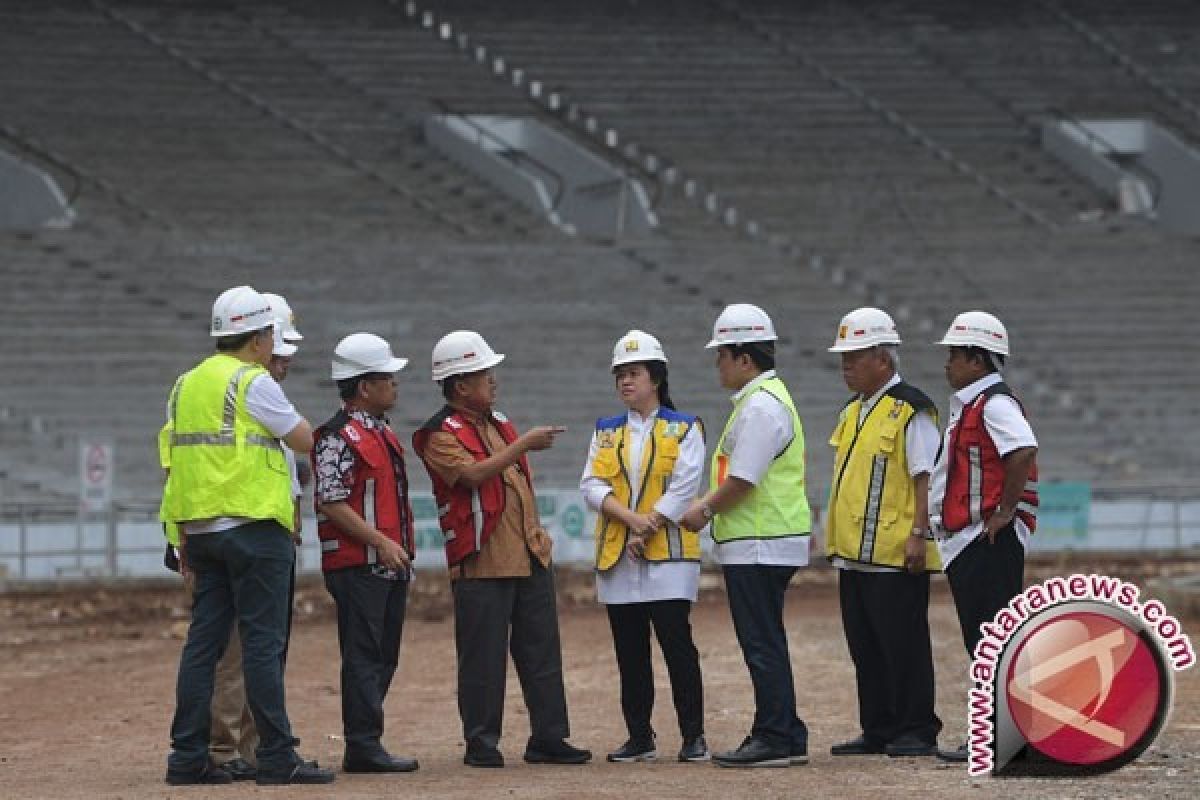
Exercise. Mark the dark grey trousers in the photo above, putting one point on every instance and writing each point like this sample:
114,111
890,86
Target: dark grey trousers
517,615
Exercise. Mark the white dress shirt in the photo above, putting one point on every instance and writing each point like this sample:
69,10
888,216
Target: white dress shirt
761,431
1006,424
636,580
920,451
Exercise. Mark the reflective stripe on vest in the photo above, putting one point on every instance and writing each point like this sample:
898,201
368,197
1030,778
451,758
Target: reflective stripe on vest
778,505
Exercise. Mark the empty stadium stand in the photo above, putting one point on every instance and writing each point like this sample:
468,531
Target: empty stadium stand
885,152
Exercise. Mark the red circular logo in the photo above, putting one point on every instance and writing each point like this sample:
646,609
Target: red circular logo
1085,688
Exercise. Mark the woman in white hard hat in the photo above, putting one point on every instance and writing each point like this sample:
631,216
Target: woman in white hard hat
643,469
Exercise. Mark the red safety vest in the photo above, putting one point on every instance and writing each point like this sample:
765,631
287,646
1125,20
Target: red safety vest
379,494
975,471
467,516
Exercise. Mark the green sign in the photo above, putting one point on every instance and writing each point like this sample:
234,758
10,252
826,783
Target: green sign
1063,512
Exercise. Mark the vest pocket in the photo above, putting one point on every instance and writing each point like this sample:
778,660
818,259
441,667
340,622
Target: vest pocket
605,464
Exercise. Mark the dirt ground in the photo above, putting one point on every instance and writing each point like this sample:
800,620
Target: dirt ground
86,696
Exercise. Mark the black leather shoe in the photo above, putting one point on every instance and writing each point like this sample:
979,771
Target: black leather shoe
695,749
483,757
380,762
635,750
240,769
754,752
858,746
555,753
909,745
957,756
210,773
304,772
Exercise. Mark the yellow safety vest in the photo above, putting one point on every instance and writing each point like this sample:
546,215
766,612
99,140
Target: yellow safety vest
778,505
670,542
871,500
223,462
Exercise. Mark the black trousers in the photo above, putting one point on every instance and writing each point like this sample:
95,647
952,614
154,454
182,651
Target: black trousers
983,579
370,615
518,615
630,623
886,619
756,597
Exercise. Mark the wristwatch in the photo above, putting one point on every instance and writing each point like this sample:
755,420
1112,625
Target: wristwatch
922,532
706,511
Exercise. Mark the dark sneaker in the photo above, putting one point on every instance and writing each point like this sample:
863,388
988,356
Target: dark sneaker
304,772
695,749
240,769
799,755
858,746
909,745
483,757
754,752
635,750
555,753
958,756
210,773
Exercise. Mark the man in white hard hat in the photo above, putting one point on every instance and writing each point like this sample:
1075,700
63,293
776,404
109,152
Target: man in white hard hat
498,555
365,524
229,492
983,490
760,521
877,535
234,737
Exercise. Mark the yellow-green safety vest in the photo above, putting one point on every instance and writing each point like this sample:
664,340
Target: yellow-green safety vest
778,505
653,476
871,499
223,462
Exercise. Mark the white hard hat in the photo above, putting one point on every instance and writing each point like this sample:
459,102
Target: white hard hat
461,352
360,353
280,347
741,323
240,310
637,346
285,316
862,328
977,329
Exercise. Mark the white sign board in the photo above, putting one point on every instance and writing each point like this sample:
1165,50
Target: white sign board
95,476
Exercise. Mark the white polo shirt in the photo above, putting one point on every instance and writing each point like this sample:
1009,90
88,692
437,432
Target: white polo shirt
1006,424
920,451
761,431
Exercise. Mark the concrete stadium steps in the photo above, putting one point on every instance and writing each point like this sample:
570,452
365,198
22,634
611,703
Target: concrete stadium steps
188,147
763,101
1092,308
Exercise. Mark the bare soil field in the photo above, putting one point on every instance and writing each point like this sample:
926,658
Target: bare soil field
86,696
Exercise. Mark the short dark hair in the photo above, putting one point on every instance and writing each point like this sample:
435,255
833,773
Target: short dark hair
448,385
231,344
993,362
348,387
761,353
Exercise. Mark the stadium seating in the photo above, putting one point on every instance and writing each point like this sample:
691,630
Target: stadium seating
887,149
